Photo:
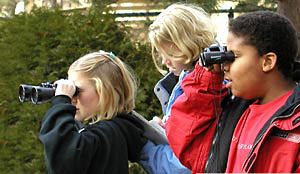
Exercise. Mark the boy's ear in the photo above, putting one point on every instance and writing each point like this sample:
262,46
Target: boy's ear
269,61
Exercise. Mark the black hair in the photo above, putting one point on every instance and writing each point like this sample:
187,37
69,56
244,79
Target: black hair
269,32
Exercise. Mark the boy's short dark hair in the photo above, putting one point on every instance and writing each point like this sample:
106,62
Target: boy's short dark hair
269,32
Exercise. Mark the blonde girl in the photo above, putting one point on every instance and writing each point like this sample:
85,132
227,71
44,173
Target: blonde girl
177,36
90,128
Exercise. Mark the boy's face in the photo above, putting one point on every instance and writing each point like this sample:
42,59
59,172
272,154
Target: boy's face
244,74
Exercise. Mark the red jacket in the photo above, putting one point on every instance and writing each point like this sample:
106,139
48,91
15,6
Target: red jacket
194,117
276,148
191,126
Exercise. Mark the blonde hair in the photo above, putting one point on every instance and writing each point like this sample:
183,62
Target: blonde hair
186,26
113,81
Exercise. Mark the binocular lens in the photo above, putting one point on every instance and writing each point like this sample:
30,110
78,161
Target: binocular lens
25,93
36,94
40,94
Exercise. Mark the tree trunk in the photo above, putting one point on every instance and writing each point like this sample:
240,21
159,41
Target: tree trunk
291,9
53,3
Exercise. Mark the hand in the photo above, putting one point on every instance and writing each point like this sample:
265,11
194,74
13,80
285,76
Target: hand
158,121
213,68
65,87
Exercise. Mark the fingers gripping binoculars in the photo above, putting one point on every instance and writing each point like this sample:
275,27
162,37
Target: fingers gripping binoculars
216,54
36,94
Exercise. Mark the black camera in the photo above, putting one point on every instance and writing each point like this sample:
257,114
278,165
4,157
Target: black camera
36,94
216,54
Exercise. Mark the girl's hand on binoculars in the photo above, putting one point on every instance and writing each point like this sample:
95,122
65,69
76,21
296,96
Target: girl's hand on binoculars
65,87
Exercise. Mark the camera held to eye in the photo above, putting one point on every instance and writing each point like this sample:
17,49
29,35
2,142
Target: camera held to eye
216,54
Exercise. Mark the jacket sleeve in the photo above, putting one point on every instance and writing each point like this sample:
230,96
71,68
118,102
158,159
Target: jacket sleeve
66,149
193,117
161,159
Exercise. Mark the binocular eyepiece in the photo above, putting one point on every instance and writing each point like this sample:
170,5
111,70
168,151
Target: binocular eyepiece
36,94
216,54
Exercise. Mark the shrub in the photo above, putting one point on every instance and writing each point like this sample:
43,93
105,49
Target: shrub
39,47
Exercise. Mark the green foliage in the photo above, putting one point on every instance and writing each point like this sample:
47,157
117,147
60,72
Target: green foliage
253,5
39,47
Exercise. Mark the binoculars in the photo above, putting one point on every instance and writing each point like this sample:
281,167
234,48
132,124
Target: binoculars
216,54
36,94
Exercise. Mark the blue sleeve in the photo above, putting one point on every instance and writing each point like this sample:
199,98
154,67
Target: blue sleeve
160,159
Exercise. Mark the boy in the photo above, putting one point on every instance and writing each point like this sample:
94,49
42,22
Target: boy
259,128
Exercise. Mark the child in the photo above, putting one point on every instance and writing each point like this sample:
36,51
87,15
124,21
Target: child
258,130
106,94
177,36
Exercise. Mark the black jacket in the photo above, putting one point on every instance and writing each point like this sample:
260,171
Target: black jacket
101,148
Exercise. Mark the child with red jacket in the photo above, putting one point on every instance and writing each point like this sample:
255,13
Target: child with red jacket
257,129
